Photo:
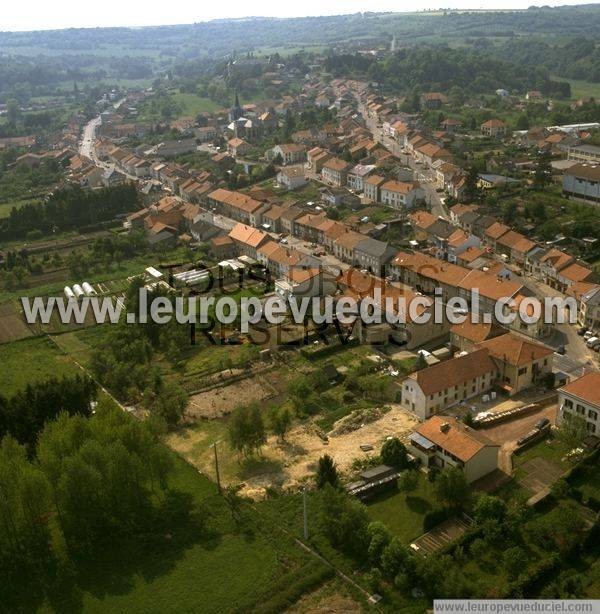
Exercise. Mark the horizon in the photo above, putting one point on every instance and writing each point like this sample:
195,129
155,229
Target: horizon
63,14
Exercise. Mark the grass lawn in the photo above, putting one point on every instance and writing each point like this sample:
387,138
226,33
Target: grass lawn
31,360
553,451
193,104
403,514
226,575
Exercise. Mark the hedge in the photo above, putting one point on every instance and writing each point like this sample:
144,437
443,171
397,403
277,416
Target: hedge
292,586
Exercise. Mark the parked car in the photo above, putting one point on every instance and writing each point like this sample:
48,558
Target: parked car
592,341
581,331
588,334
542,423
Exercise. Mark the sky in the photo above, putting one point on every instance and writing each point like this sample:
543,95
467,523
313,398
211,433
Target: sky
56,14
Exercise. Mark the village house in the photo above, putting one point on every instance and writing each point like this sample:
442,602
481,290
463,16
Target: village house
287,218
584,153
290,153
372,254
357,176
589,306
582,182
271,218
335,172
206,134
458,242
238,147
494,128
343,246
247,239
306,227
292,177
443,441
400,194
237,206
493,233
515,246
315,159
521,363
223,247
464,337
372,188
303,282
433,100
391,304
433,389
581,398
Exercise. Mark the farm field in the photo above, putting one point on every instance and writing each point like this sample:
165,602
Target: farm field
12,323
31,360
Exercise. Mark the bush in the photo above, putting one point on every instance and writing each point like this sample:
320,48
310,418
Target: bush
536,574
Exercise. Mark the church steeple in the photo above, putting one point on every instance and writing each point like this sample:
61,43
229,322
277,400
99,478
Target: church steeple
236,110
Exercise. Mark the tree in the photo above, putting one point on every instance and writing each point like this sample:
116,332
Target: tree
543,169
408,481
572,430
514,561
451,488
13,111
522,122
472,191
379,537
393,453
327,472
247,430
281,419
394,559
170,403
345,521
489,507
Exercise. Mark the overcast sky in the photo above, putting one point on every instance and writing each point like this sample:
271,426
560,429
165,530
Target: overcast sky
53,14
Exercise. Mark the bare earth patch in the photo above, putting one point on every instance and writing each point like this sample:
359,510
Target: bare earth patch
289,463
218,402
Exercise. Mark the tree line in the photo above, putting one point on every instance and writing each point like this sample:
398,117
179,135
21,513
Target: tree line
70,208
23,415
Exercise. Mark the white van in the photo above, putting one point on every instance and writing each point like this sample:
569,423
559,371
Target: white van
591,342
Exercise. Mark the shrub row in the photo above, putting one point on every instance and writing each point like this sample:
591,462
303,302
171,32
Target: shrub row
536,574
292,586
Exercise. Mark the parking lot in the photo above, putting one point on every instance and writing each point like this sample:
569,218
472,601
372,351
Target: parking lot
510,431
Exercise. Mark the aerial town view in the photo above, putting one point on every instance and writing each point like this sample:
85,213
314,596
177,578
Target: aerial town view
299,308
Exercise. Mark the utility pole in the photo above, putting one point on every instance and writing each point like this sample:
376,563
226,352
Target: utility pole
305,514
217,467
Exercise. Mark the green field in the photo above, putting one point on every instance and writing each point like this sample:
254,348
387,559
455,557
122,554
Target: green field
31,360
403,514
193,104
581,89
5,208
